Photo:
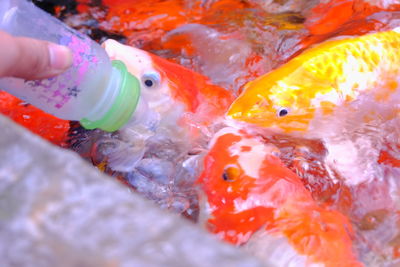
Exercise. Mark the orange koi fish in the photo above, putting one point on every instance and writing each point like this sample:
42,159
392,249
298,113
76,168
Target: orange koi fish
235,45
158,153
176,105
164,81
256,201
229,41
126,16
145,22
37,121
348,17
130,16
330,16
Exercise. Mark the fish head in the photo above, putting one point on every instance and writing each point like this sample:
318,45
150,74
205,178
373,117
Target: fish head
244,182
165,84
251,193
312,91
278,100
176,106
155,88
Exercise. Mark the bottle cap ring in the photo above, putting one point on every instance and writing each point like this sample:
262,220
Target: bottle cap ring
124,105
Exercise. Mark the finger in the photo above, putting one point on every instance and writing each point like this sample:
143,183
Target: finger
32,59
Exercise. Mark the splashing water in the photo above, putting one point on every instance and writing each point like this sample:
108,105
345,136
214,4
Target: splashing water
159,151
232,43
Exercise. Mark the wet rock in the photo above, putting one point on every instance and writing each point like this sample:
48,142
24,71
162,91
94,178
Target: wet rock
57,210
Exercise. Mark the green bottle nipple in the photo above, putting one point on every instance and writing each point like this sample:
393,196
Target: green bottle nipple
124,105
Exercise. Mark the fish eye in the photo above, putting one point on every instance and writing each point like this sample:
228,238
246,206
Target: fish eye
151,80
283,112
231,173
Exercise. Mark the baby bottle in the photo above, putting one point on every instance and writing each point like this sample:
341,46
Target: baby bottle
97,92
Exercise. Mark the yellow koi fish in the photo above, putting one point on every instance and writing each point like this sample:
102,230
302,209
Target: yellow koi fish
344,92
343,77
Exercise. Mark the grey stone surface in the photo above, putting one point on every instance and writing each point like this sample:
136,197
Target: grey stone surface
57,210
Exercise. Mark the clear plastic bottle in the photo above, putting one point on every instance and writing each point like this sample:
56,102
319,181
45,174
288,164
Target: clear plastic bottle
97,92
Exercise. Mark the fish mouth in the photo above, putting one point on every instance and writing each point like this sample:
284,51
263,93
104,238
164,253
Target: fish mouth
266,120
247,111
258,118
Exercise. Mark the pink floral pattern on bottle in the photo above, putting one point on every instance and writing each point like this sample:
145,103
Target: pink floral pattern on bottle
59,90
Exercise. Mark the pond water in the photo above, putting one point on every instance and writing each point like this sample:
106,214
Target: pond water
233,42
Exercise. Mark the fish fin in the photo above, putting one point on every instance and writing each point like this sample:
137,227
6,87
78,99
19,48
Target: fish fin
327,17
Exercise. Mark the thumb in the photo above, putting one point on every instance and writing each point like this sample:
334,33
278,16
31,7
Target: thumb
32,59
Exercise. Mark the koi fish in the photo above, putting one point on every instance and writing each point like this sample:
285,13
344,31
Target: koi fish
159,151
229,41
300,94
329,16
37,121
256,201
145,22
344,92
175,103
228,53
348,18
126,17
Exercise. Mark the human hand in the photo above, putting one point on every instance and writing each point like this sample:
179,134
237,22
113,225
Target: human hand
31,59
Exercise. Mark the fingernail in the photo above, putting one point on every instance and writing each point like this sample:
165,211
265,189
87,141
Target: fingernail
60,57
